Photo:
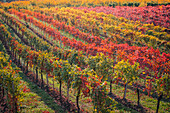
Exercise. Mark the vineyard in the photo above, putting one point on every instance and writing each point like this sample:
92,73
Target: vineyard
85,56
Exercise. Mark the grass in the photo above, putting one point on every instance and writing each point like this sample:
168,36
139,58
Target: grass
118,90
88,106
41,99
146,101
123,109
70,36
35,99
37,29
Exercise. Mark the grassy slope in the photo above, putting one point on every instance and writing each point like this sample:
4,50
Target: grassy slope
146,101
118,90
88,106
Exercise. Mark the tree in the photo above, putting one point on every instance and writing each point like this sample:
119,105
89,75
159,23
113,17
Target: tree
66,68
105,68
77,83
93,60
162,88
57,70
98,93
127,72
48,60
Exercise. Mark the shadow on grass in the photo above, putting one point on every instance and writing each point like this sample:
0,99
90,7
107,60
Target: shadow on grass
48,100
123,108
